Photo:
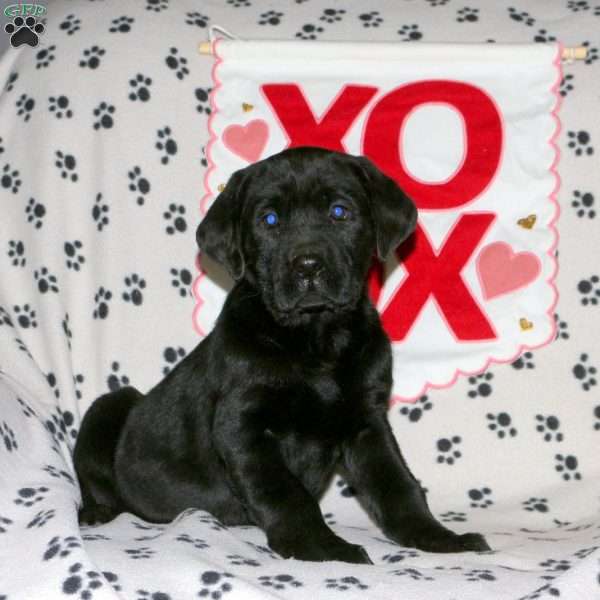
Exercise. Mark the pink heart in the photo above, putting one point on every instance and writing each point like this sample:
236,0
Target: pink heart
247,141
502,271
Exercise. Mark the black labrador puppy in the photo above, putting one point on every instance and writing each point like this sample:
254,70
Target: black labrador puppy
292,383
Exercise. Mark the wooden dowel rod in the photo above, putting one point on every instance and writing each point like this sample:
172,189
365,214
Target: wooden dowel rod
568,54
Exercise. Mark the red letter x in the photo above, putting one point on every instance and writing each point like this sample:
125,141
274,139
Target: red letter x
439,275
298,120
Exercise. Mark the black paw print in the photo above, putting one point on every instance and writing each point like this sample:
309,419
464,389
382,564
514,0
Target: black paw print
28,496
134,286
16,252
25,316
583,371
370,19
583,204
59,105
197,19
399,556
100,213
10,179
5,318
121,25
332,15
501,424
467,15
137,553
46,282
562,328
279,582
71,24
91,57
415,412
53,383
24,31
61,547
271,17
592,53
145,594
67,329
140,85
525,361
138,184
101,299
448,453
239,3
590,290
410,33
66,163
347,491
345,583
309,32
237,560
597,418
84,582
543,37
414,574
579,141
104,112
74,260
567,466
77,381
116,380
521,17
172,356
35,212
215,585
536,505
8,435
196,542
61,424
479,575
202,95
480,385
549,426
43,517
12,78
453,517
157,6
480,498
45,57
177,63
566,84
25,105
577,5
175,217
182,279
166,144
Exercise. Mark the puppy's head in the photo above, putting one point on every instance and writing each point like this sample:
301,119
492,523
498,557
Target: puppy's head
303,226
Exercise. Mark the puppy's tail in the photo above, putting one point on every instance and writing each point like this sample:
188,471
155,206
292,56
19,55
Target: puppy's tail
95,452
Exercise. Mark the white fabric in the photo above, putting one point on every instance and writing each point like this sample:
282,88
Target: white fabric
512,453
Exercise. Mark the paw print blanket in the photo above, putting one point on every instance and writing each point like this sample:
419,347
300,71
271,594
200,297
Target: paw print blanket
103,134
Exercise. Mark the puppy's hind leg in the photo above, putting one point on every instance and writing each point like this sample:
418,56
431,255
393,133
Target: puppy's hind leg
95,451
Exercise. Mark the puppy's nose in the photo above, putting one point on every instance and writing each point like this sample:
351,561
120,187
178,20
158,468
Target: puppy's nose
307,265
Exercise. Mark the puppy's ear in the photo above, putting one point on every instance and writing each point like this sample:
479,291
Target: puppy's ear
219,232
394,213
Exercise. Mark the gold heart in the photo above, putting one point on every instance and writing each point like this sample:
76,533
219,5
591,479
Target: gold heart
221,187
247,107
528,222
525,324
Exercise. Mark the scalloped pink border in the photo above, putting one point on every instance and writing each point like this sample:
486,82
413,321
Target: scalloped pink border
396,399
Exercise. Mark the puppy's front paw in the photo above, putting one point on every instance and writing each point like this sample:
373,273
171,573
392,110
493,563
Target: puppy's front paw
440,539
330,548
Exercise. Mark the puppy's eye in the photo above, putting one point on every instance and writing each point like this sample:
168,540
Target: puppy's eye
338,212
270,219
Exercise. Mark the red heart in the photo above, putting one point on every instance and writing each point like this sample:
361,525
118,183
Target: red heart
247,141
502,271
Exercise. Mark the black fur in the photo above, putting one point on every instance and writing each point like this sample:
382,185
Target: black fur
292,383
